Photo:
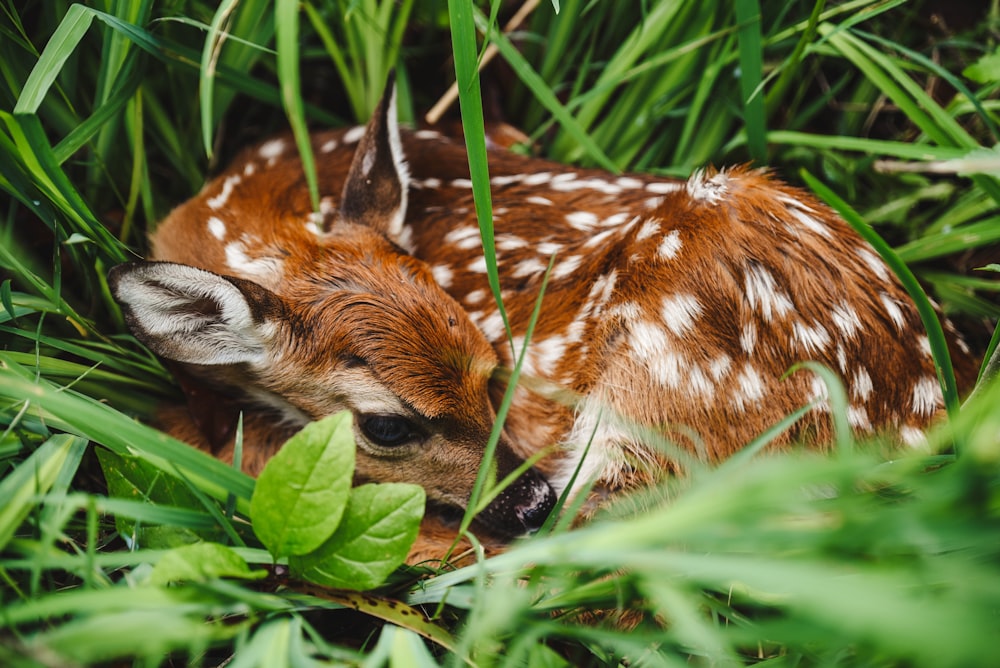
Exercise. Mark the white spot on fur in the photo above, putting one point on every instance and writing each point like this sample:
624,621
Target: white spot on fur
490,325
263,267
810,223
272,149
893,310
219,201
537,179
217,228
924,344
548,248
762,293
476,297
543,357
427,134
845,318
582,220
857,417
862,386
648,342
530,267
719,367
874,263
653,202
662,188
820,393
814,339
617,219
926,395
537,199
443,275
354,135
748,337
750,388
679,313
566,266
249,169
670,245
509,242
465,238
461,183
599,239
329,146
628,182
648,229
430,183
478,265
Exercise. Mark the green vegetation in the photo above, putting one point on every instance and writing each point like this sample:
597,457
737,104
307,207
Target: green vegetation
114,111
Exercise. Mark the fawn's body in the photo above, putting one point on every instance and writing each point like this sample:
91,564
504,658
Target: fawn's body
673,310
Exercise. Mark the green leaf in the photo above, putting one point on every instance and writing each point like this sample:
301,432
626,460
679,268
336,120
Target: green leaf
136,479
985,70
201,562
372,540
302,491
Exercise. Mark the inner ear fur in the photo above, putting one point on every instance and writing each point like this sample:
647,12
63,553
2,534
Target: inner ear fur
195,316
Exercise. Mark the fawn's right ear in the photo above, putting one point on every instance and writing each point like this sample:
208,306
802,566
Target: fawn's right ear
375,191
194,316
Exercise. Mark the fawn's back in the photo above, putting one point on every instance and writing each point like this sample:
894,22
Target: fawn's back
673,310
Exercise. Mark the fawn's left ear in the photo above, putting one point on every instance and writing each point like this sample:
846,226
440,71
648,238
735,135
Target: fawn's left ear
375,192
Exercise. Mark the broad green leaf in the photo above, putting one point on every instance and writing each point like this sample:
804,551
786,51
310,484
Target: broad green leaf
302,492
201,562
372,540
133,478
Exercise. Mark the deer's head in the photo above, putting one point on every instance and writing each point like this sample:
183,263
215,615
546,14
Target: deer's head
351,323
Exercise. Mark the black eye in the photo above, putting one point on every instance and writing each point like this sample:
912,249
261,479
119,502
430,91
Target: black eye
388,430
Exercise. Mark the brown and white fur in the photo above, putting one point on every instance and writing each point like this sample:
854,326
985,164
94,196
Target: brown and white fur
673,311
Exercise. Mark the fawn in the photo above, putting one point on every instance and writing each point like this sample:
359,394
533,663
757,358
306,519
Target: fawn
673,311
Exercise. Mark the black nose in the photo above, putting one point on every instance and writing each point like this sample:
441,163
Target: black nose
522,507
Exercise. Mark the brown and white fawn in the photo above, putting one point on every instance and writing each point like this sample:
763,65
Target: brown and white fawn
673,311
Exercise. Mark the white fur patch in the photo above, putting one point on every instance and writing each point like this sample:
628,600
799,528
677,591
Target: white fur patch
679,313
466,237
926,395
670,245
219,201
845,318
443,275
893,310
217,228
263,268
762,294
354,135
582,220
813,338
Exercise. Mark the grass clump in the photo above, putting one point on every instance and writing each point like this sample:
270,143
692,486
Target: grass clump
113,112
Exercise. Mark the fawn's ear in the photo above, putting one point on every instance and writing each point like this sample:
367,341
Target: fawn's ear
374,193
194,316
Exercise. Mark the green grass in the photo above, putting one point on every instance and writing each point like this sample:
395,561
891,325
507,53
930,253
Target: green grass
113,112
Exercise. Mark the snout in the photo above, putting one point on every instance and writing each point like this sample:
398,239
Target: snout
520,508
